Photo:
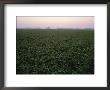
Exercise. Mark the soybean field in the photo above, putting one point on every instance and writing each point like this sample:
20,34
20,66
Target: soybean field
54,51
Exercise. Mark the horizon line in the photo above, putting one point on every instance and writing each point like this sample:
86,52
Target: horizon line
55,28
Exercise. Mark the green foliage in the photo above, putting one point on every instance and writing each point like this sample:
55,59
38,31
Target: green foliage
55,51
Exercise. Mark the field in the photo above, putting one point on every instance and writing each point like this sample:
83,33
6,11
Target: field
46,51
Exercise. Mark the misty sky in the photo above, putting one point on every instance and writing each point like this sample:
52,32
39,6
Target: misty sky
55,22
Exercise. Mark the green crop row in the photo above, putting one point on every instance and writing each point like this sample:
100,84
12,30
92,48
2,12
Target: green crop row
55,51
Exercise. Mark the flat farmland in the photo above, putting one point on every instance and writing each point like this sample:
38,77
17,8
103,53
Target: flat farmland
54,51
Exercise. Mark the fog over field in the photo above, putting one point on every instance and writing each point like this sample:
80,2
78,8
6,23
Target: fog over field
55,45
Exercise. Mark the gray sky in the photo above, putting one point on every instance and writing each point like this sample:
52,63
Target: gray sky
55,22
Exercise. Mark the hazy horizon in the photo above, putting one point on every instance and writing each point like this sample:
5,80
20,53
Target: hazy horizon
54,22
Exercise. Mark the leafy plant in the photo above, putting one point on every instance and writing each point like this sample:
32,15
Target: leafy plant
54,51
